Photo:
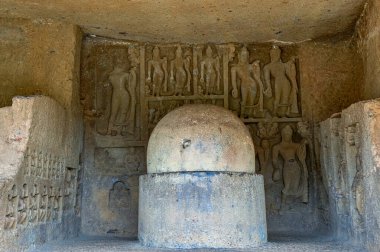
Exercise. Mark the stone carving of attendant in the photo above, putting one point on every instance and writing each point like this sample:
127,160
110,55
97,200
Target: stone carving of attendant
180,72
160,72
285,84
210,72
120,99
294,170
250,83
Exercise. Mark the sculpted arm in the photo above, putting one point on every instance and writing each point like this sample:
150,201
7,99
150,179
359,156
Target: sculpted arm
267,81
172,70
148,79
291,72
233,81
276,170
165,68
301,154
217,66
202,70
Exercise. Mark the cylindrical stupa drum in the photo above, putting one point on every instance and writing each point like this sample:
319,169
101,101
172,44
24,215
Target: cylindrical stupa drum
201,190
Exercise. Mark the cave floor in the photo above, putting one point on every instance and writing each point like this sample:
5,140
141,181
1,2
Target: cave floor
277,243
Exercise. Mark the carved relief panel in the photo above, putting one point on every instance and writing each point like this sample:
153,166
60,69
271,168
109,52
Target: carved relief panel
39,190
262,86
127,87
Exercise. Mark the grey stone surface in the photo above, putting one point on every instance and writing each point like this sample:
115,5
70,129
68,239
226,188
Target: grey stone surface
200,138
202,209
350,163
277,243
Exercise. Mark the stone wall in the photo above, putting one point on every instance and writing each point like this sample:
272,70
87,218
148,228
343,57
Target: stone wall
331,73
41,57
350,165
38,195
367,36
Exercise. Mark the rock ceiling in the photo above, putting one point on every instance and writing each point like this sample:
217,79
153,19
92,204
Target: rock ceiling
196,21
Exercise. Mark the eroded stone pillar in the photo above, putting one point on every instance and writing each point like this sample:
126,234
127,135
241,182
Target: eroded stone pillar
201,190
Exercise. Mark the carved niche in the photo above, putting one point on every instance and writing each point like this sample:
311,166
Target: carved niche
127,87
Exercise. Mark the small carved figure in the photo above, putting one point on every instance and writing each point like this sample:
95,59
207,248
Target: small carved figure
10,215
40,164
160,72
294,171
250,83
180,72
263,151
50,205
285,83
28,160
23,205
69,177
43,205
33,207
46,165
57,205
33,163
210,73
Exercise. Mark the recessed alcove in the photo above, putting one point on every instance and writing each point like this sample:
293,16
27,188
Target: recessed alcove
83,86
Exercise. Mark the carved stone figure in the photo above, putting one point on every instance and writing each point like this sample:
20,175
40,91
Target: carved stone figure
28,160
23,205
50,205
40,161
160,72
43,204
210,73
33,163
180,72
46,165
250,83
120,100
263,151
133,57
33,207
285,84
10,215
294,170
57,204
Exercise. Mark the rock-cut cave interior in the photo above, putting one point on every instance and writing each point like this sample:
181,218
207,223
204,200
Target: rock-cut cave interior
190,125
